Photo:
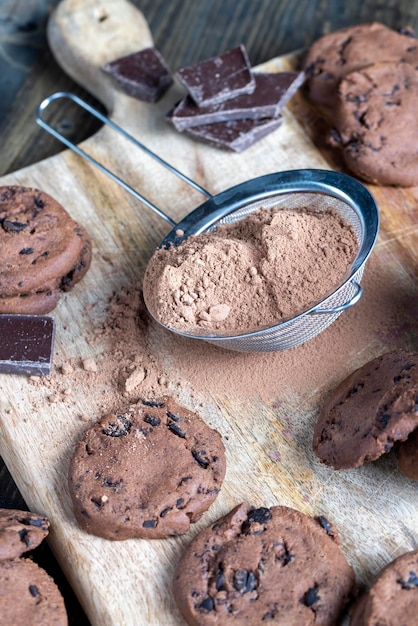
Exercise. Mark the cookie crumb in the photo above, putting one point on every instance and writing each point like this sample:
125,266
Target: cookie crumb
66,368
135,378
89,365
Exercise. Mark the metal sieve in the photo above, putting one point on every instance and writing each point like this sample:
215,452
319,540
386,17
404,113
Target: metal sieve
321,189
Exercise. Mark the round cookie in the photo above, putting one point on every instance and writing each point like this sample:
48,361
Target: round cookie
20,531
376,124
149,472
407,455
334,55
370,410
393,599
256,566
28,595
38,239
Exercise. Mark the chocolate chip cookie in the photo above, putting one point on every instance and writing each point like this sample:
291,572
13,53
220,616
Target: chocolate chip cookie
20,531
44,250
28,595
371,409
334,55
148,472
376,124
393,599
256,566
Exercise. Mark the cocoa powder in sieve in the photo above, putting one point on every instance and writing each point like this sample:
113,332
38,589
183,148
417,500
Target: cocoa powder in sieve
261,270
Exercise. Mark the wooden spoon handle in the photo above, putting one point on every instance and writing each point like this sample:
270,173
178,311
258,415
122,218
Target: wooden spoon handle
85,34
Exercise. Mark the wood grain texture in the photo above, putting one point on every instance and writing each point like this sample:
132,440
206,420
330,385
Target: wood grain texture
375,506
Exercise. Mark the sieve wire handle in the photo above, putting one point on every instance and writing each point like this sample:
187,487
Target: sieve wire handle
103,118
346,305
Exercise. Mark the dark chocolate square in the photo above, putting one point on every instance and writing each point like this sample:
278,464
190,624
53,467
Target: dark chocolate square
26,345
144,75
218,79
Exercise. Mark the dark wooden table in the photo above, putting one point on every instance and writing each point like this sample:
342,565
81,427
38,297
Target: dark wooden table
185,31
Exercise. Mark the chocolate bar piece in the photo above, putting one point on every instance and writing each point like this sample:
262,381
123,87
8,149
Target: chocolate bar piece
237,135
272,92
220,78
26,344
144,75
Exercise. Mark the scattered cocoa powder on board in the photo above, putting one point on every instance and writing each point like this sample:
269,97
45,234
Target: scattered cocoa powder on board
259,271
138,358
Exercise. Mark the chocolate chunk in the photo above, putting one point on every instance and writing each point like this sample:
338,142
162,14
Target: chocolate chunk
153,403
144,75
26,345
271,94
201,458
207,604
259,516
410,583
176,430
236,135
244,581
150,523
220,78
322,520
311,596
173,417
119,428
152,420
13,227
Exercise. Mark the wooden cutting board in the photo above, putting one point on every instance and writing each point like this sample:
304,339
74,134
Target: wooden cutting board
267,437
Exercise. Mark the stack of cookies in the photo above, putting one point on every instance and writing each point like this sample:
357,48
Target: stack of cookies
365,79
44,251
28,595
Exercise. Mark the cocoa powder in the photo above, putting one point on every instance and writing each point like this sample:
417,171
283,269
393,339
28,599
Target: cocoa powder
259,271
137,358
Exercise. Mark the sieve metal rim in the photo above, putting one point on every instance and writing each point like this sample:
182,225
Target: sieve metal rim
328,182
